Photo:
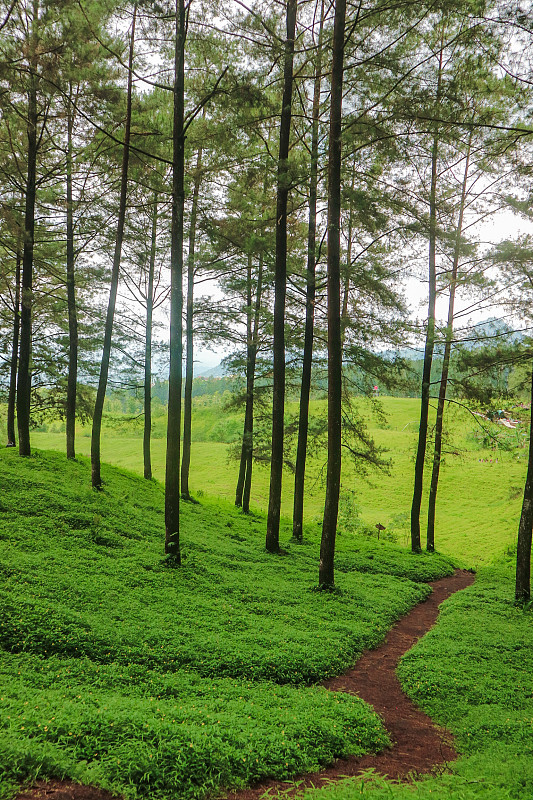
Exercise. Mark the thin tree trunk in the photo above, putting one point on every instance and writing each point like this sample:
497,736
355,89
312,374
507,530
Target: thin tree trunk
430,342
189,362
280,290
250,381
11,401
24,374
248,406
346,288
72,378
307,361
172,471
326,575
523,547
147,432
430,540
106,354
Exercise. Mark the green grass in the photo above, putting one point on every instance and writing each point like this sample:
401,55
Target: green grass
479,495
154,682
150,681
471,673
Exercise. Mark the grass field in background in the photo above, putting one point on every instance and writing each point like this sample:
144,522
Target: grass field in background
479,496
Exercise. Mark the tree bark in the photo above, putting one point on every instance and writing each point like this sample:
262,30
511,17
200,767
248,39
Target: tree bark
326,575
523,546
244,485
189,359
430,342
172,471
72,378
250,390
11,401
147,432
108,332
430,538
248,406
346,287
280,289
24,374
307,361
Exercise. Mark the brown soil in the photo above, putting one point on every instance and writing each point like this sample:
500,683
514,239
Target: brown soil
64,790
418,745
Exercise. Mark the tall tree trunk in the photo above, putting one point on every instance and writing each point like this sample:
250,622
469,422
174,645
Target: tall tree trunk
280,289
430,540
72,378
172,471
147,432
189,362
106,354
11,401
523,547
307,361
346,288
24,374
430,341
326,575
248,406
250,382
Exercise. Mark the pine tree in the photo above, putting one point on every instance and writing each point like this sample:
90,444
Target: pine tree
326,574
96,476
278,346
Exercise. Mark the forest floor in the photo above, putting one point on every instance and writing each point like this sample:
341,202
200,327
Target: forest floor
419,746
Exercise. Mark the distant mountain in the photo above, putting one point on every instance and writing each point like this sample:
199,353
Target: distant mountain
215,372
492,329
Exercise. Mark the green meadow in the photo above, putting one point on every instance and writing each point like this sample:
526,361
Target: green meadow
120,671
479,493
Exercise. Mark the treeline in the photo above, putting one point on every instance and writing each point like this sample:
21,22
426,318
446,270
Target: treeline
304,162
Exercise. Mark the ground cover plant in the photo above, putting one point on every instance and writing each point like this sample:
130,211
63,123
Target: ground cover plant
480,489
150,681
472,675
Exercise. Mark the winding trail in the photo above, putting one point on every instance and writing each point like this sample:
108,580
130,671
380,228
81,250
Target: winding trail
419,745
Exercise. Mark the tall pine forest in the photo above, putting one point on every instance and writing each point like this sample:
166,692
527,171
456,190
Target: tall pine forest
333,196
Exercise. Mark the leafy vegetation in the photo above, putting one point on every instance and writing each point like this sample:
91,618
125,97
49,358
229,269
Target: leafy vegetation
120,671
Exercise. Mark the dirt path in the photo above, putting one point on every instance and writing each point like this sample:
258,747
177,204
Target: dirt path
419,745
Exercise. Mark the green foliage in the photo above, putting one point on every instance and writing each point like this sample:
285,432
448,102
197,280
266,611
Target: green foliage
493,437
147,733
153,682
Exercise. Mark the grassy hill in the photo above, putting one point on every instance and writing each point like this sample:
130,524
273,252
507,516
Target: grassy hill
480,488
150,681
119,671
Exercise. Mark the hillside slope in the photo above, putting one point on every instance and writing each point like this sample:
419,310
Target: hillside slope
120,671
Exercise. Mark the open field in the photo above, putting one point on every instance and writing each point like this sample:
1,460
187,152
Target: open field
479,496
